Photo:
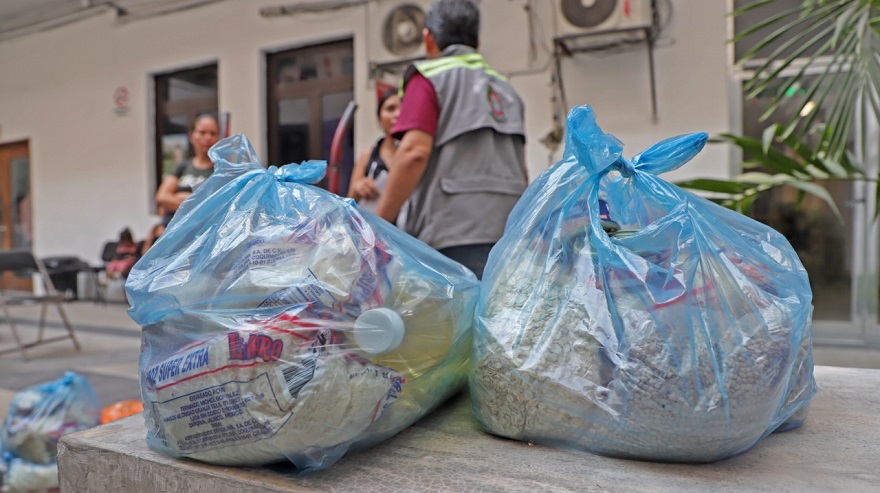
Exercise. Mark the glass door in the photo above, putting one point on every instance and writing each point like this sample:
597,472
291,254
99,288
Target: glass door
16,226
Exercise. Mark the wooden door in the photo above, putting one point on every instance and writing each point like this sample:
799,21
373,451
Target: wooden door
16,230
308,91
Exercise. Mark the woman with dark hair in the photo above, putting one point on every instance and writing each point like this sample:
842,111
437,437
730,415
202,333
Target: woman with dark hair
178,185
371,169
126,256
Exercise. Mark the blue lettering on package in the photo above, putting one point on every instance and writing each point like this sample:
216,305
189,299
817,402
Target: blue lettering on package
183,364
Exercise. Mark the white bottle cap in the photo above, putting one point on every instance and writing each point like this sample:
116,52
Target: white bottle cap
378,330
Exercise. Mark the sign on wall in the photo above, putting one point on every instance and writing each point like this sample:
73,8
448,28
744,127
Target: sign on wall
121,105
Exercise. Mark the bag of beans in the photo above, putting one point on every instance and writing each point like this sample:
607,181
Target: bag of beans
282,322
625,316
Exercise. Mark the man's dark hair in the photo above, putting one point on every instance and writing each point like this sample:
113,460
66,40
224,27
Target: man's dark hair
454,22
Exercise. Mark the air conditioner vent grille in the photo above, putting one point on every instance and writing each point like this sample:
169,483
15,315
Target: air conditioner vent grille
402,29
588,14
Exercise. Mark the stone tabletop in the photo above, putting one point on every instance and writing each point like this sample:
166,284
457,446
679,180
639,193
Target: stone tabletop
837,449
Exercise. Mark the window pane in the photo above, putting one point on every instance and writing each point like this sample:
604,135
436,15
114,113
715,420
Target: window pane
21,212
192,85
293,130
823,243
175,148
755,16
328,64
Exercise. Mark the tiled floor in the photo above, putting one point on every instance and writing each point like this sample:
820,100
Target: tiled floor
111,345
109,358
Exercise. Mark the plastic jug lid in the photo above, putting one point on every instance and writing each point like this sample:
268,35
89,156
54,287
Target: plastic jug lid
378,330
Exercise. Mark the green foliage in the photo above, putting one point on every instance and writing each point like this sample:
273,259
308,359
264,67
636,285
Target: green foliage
834,55
790,163
847,49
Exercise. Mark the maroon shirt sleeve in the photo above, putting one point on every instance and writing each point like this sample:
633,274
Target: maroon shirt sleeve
419,109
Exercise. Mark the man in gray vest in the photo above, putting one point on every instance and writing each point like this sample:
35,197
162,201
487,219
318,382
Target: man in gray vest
460,165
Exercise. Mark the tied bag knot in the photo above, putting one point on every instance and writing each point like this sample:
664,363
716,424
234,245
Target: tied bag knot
308,172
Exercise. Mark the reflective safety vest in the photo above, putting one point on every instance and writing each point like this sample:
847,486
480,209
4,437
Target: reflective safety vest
476,172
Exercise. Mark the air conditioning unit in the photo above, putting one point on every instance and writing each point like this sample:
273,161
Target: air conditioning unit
574,17
395,30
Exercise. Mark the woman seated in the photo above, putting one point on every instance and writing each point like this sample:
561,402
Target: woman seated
126,256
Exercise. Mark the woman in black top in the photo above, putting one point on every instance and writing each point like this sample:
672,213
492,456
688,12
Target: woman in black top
178,185
371,169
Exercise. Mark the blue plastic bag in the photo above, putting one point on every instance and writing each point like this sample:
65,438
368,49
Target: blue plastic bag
280,321
41,414
683,337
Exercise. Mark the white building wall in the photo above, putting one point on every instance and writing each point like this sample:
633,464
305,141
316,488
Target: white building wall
91,168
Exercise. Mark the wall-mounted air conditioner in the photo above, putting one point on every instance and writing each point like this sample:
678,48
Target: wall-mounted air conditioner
574,17
395,30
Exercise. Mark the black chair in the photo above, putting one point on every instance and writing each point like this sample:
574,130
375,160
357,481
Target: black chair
64,272
23,261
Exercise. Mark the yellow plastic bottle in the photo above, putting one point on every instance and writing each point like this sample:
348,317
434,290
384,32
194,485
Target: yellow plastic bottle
414,332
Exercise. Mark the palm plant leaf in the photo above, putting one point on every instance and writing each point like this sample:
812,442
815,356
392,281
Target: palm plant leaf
828,53
791,163
842,34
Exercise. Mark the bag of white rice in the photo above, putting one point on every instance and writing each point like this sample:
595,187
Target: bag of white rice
625,316
281,322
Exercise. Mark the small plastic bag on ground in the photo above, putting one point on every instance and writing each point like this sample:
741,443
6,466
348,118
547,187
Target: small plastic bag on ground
41,414
283,322
3,466
28,477
38,416
684,335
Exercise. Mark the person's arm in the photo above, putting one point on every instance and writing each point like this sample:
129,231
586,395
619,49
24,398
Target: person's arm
361,186
146,246
416,127
408,166
154,235
167,196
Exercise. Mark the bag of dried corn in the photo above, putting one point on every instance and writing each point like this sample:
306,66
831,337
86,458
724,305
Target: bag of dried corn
283,322
681,334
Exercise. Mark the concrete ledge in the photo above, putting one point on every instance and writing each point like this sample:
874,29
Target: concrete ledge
837,449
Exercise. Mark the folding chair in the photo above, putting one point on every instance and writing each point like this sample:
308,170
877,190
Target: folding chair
20,261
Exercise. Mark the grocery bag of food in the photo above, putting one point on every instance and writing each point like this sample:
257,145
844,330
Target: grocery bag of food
282,322
38,416
41,414
625,316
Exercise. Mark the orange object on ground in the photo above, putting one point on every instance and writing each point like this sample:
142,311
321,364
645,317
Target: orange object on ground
121,409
